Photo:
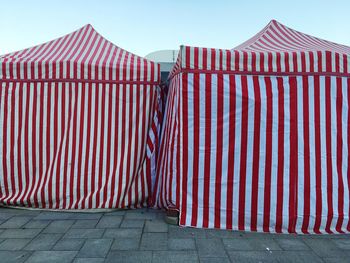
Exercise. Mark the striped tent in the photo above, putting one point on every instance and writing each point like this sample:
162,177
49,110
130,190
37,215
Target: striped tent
257,138
78,122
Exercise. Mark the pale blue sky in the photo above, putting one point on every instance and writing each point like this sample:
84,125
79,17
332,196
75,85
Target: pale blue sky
142,26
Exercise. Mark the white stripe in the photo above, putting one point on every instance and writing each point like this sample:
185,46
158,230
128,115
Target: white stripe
237,150
287,147
262,153
250,150
225,148
213,152
345,114
312,143
274,161
334,151
323,152
301,154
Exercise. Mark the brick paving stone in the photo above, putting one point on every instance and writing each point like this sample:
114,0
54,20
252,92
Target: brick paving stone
13,211
84,233
217,233
296,257
123,233
79,215
52,257
140,214
116,213
13,256
109,222
324,248
37,224
53,216
132,223
250,244
342,243
59,226
4,216
181,244
130,257
336,260
210,248
156,226
214,260
15,222
252,256
95,248
154,241
88,223
175,256
89,260
186,232
43,242
126,244
292,244
14,243
68,244
20,233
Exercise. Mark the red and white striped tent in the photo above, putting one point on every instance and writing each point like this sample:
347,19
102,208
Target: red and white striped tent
77,122
257,138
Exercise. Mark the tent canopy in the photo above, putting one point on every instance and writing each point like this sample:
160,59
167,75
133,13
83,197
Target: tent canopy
276,49
81,55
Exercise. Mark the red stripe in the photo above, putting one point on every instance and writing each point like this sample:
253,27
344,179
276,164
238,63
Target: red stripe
243,161
19,149
280,154
256,153
303,62
196,131
207,153
348,146
65,166
48,146
2,87
328,61
120,176
318,155
94,150
116,145
101,174
25,200
306,125
268,160
63,128
109,151
184,150
269,61
329,155
339,134
87,142
293,179
219,148
144,116
12,142
34,144
53,158
136,148
231,153
73,150
128,176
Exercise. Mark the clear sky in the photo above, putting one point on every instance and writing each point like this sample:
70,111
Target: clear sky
142,26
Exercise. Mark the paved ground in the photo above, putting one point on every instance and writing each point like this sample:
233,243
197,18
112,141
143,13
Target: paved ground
142,236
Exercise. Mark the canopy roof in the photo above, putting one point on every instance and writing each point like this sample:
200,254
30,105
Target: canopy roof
81,55
276,49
